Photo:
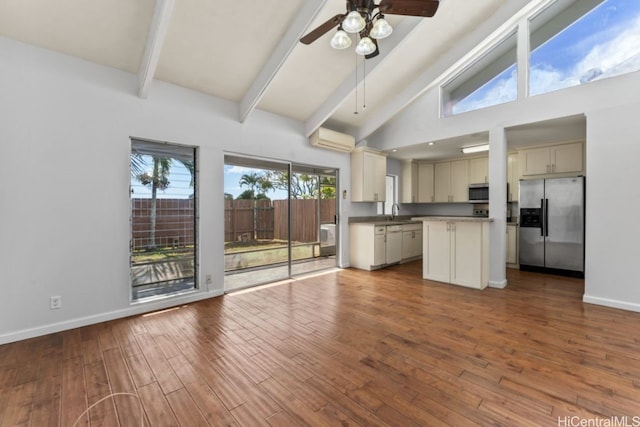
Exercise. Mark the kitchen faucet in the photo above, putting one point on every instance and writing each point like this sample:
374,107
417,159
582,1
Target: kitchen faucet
395,207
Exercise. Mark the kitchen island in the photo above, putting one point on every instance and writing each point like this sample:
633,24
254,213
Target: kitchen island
456,250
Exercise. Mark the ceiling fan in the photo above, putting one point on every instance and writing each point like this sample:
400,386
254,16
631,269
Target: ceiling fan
366,18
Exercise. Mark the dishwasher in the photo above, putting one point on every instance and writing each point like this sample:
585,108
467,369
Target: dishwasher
394,244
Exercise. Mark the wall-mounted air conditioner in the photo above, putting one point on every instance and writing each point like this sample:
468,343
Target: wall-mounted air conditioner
332,140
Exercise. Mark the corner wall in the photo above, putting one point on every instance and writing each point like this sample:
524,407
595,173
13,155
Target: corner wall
613,201
65,141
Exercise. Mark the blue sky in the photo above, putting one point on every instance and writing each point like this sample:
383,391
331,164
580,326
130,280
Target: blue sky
603,43
232,175
179,179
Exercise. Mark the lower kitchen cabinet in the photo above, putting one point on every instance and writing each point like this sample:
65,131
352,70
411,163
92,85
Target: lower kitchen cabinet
456,252
368,246
411,241
393,245
374,246
512,244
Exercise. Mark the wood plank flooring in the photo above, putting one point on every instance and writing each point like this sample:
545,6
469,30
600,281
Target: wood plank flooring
346,348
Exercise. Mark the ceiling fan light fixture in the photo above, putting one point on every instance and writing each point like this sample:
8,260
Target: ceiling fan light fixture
381,29
365,46
353,22
340,40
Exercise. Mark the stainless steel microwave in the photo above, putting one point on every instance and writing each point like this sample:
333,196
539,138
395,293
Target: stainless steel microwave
479,193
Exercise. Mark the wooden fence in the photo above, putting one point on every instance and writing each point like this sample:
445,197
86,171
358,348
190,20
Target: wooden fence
243,220
174,222
266,219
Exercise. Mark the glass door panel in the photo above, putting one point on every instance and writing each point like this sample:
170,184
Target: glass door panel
256,200
279,221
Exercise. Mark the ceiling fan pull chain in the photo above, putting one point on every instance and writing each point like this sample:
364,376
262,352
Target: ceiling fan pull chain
364,85
356,109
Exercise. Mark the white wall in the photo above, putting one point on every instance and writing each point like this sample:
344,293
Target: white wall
613,201
64,146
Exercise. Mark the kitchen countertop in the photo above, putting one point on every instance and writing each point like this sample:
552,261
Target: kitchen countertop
452,218
384,222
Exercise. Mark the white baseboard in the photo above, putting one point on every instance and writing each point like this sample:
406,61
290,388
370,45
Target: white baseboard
135,309
499,285
623,305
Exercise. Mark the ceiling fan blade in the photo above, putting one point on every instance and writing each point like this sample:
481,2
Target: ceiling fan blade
425,8
322,29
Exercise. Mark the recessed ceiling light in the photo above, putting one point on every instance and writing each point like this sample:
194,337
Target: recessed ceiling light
394,150
432,143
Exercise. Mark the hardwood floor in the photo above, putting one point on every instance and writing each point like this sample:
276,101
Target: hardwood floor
347,348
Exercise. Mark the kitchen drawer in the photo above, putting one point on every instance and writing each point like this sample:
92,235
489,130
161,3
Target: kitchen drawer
380,229
393,228
412,227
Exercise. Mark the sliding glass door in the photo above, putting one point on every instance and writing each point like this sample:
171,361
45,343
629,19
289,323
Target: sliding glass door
279,220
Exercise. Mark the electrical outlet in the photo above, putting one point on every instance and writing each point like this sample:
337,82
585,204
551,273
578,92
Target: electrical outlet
209,279
55,302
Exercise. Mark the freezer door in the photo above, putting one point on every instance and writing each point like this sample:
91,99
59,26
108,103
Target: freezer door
531,192
531,247
531,237
564,234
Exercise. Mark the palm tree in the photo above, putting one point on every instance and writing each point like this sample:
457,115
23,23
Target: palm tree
158,179
251,180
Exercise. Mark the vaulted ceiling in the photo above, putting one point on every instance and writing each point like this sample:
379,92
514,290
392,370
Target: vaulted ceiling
247,51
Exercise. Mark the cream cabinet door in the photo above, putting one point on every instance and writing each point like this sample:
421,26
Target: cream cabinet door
379,249
513,177
466,254
566,158
409,182
535,161
368,175
425,182
460,181
479,170
512,244
442,182
436,251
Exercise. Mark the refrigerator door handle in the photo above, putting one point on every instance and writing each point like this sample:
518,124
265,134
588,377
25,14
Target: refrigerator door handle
546,217
543,225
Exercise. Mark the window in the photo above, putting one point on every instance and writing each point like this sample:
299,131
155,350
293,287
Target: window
491,80
586,41
163,219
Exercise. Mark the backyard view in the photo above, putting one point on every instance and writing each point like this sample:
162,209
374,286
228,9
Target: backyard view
162,219
272,218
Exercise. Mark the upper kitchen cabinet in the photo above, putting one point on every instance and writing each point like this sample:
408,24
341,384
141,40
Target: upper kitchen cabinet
452,181
513,176
410,185
368,175
417,182
479,170
425,183
552,159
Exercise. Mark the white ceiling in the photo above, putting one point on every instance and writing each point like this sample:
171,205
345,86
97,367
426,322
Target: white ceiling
246,51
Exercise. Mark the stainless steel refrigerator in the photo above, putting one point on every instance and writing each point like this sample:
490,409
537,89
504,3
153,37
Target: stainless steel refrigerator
552,225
